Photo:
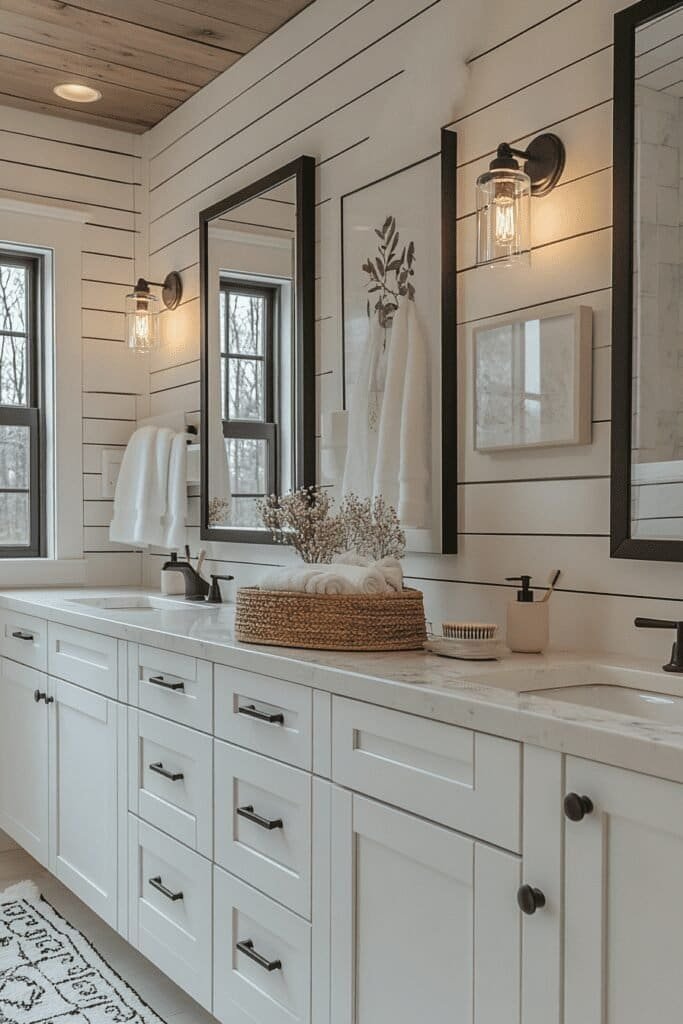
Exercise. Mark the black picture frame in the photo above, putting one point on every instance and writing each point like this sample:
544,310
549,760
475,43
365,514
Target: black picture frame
302,170
448,154
622,544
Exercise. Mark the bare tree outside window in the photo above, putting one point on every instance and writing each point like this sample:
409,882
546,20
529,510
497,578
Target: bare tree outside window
19,407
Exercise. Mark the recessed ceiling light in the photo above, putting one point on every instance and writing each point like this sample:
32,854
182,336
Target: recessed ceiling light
77,93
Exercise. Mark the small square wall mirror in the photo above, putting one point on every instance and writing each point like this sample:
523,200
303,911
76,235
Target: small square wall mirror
532,381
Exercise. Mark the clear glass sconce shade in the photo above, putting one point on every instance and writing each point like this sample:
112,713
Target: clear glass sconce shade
142,321
503,217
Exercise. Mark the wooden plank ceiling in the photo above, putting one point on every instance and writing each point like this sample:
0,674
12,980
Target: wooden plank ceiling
145,56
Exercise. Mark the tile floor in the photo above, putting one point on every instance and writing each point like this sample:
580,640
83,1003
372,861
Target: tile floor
172,1005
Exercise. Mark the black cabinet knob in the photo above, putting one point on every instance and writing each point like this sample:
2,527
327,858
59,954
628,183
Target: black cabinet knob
529,899
577,807
38,696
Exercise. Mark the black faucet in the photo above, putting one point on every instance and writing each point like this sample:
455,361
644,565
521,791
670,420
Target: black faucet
675,664
196,587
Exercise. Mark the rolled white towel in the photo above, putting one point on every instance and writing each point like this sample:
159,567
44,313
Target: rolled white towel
392,571
330,583
327,579
364,579
291,578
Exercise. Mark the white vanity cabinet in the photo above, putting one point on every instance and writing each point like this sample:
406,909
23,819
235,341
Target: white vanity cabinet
292,856
86,732
623,923
24,758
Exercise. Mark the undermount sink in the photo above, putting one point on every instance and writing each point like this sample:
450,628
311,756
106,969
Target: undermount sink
660,707
138,603
623,691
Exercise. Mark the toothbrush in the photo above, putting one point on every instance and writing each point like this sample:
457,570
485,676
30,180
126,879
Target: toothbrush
554,577
200,560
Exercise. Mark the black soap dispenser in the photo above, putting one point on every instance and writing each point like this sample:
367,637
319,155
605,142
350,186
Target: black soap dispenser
527,620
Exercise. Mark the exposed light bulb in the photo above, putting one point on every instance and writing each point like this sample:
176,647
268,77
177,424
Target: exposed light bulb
505,226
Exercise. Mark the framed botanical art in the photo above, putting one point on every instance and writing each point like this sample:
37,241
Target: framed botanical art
399,345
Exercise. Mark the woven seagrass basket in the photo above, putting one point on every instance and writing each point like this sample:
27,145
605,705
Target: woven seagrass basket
331,622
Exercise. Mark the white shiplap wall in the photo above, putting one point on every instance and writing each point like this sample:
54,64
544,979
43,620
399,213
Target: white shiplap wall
364,86
43,157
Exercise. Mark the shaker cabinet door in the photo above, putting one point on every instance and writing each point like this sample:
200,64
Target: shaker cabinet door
425,924
24,757
84,731
623,898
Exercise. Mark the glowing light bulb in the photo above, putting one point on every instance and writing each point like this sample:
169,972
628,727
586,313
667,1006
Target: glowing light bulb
505,224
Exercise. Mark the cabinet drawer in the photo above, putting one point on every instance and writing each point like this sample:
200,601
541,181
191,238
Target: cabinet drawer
23,638
172,685
170,778
463,779
82,657
263,824
170,908
267,715
262,957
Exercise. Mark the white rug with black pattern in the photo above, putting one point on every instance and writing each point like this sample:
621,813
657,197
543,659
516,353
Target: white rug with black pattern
50,974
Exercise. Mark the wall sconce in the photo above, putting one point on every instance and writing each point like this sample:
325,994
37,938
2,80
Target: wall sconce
504,198
142,311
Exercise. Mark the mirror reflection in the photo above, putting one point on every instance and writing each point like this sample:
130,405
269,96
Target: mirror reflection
252,350
657,424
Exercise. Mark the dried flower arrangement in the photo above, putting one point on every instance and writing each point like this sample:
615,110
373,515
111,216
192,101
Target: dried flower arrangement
368,527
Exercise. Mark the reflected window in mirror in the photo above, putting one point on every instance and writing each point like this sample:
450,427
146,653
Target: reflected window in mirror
248,328
258,387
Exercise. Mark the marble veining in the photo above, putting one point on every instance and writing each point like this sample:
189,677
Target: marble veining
475,695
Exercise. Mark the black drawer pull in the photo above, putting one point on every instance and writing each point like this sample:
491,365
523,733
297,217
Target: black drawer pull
19,634
160,681
160,770
576,807
268,823
38,695
529,900
263,716
247,947
157,884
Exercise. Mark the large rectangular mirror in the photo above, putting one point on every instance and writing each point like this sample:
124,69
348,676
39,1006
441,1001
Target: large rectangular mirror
647,336
257,251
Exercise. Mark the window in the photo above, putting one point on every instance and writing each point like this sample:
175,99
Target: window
22,528
247,328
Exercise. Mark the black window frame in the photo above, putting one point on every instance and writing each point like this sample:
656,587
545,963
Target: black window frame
267,428
30,415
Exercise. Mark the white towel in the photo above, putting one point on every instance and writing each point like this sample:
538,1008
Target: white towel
392,572
327,579
361,441
141,497
401,474
175,519
414,500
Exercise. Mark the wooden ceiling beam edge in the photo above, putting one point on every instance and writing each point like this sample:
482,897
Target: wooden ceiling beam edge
137,15
188,88
121,125
105,31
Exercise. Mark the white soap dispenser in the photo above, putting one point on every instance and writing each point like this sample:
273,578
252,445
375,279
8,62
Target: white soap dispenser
527,620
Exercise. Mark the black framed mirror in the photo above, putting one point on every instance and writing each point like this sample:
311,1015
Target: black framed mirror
647,324
257,274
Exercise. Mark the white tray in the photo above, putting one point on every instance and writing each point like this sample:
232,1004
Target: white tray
465,650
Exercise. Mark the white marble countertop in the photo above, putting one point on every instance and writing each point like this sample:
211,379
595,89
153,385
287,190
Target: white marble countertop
475,695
